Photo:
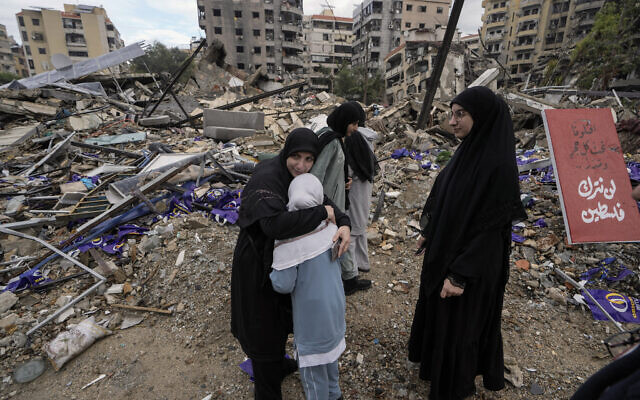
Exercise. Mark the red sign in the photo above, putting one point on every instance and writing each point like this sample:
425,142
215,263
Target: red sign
592,178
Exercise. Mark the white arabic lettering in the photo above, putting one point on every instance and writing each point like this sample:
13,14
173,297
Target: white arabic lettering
601,213
590,189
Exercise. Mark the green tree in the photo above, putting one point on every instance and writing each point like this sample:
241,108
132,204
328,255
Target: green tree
610,50
161,58
6,77
351,82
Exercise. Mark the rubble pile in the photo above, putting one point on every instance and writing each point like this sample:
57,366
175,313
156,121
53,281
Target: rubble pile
118,232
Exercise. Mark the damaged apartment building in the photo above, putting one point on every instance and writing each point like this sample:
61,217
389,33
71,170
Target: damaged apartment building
379,26
80,32
328,40
256,33
523,34
408,66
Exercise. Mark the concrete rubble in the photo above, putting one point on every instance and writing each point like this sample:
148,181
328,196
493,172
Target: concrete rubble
149,203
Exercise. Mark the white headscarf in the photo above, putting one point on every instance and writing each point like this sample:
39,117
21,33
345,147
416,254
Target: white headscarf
305,191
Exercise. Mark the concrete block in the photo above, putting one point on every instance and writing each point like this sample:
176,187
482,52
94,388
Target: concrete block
234,119
224,133
160,120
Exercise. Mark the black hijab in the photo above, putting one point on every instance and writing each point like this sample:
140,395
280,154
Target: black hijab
357,152
266,193
477,190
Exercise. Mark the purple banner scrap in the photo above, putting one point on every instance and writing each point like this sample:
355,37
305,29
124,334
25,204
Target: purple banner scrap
621,308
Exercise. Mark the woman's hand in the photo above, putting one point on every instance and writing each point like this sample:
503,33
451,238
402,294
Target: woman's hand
347,185
331,216
449,290
421,245
344,233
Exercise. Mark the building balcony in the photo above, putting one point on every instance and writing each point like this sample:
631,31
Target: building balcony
582,5
497,37
291,27
393,72
528,32
586,21
291,60
528,3
76,44
293,45
524,46
285,7
496,24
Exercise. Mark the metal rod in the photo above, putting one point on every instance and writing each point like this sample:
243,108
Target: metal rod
101,279
106,149
177,76
441,58
585,291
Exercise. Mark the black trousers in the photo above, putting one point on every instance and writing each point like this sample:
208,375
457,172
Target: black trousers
268,376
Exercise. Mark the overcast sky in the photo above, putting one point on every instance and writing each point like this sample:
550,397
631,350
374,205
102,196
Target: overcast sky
174,22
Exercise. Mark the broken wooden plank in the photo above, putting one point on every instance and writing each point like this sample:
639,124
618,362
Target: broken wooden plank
140,308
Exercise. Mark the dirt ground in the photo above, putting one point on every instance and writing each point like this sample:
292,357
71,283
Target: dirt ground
191,354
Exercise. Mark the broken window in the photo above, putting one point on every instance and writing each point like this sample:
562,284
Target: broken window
421,26
217,30
35,21
37,36
27,50
409,7
240,65
237,14
42,50
25,37
78,54
238,31
257,50
407,24
439,10
560,7
21,20
239,49
256,32
255,14
31,64
216,12
423,9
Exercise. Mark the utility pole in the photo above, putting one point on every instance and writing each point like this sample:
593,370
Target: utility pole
441,58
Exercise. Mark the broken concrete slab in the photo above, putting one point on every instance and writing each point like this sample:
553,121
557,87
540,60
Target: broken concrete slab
487,78
26,108
106,140
224,133
73,187
159,120
17,135
234,119
83,122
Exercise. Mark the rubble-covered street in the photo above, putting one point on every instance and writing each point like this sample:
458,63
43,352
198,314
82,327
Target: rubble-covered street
140,207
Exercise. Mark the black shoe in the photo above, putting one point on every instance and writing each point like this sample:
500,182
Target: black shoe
354,284
363,270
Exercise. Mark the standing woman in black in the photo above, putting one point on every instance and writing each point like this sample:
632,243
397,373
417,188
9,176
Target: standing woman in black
466,225
261,318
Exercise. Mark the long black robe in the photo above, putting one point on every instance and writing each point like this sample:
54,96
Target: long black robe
261,318
467,220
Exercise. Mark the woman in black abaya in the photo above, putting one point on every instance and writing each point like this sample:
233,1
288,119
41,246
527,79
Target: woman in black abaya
466,225
261,318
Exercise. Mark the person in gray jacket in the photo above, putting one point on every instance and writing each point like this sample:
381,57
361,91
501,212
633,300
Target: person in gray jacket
331,168
303,266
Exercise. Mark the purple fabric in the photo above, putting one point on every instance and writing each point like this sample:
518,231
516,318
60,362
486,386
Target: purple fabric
32,278
247,367
634,170
541,223
621,308
612,274
112,244
517,238
400,153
